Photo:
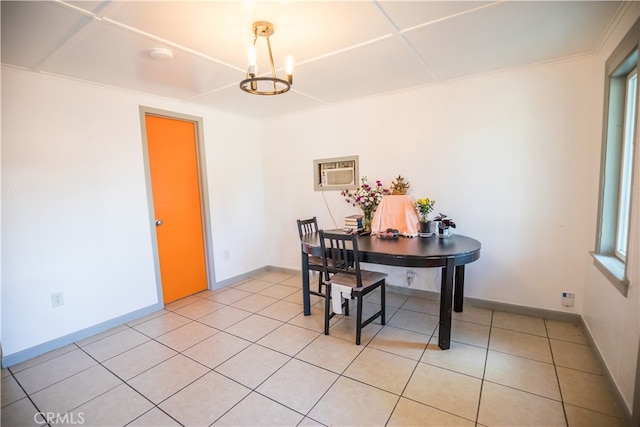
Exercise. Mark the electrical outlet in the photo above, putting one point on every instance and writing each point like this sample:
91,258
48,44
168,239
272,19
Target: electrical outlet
568,299
410,276
57,299
225,255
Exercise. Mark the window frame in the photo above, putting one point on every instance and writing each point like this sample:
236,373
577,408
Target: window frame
622,63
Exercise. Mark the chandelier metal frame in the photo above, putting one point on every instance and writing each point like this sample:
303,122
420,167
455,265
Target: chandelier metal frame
264,85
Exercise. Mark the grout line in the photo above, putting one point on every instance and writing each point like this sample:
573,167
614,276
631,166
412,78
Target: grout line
484,370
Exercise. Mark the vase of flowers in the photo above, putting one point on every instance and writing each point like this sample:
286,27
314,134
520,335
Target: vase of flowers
424,207
444,225
367,197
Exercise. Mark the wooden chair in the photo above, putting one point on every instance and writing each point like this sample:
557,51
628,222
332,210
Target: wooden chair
342,269
308,226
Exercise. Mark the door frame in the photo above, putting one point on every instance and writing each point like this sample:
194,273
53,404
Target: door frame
203,188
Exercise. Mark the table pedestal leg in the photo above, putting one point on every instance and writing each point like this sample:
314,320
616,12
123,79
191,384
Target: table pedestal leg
459,292
446,300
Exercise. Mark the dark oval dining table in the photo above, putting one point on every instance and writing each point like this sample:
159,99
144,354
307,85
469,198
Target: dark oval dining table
451,254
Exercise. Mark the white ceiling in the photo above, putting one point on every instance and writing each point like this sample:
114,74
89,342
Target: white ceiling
343,49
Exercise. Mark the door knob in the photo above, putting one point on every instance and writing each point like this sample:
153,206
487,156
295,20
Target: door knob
158,222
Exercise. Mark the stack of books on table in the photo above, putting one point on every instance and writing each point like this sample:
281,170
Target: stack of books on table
353,223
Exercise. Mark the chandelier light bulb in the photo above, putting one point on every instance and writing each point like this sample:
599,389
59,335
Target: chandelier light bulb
289,62
252,59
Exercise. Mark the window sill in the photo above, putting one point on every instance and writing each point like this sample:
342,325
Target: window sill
614,270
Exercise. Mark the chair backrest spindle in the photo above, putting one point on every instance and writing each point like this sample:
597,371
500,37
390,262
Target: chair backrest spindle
342,254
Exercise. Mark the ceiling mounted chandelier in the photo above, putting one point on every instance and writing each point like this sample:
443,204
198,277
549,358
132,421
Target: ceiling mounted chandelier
265,85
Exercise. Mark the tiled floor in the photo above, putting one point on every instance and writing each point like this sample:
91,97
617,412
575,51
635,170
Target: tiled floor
246,355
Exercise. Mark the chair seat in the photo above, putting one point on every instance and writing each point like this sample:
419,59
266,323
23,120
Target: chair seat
315,261
369,278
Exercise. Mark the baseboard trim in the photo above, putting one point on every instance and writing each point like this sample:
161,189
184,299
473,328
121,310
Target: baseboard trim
617,396
37,350
244,276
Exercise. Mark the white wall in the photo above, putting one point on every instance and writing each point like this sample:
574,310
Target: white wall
494,152
614,320
75,209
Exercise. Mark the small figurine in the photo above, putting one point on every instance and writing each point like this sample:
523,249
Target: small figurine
399,186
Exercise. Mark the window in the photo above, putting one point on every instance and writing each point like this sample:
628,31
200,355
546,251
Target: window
619,133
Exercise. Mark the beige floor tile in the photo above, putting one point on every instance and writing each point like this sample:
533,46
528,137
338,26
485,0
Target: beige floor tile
422,305
519,323
108,409
148,317
42,358
207,293
474,315
401,342
392,299
462,358
254,285
522,374
282,310
581,417
101,335
414,321
154,418
330,353
137,360
198,309
257,410
115,344
229,296
187,336
75,390
253,327
519,344
216,349
254,303
503,406
224,318
445,390
411,414
586,390
275,276
21,413
160,325
253,365
358,397
168,377
345,328
314,322
10,391
575,356
205,400
380,369
181,302
278,291
54,370
308,422
566,331
298,385
296,298
468,333
288,339
296,281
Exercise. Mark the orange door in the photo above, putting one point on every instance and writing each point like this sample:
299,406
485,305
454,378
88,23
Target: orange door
176,201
